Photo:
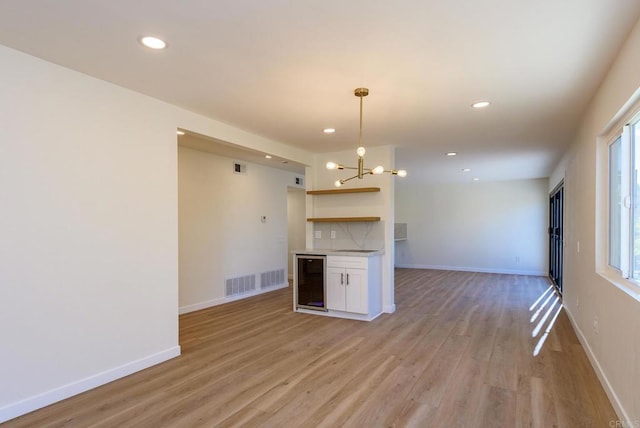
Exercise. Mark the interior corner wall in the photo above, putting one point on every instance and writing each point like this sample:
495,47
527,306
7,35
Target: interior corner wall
614,350
221,234
482,227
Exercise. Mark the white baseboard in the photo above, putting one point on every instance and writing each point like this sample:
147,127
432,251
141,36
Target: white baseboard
608,389
338,314
389,309
222,300
30,404
476,269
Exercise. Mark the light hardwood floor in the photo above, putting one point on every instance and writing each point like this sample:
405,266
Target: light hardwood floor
458,352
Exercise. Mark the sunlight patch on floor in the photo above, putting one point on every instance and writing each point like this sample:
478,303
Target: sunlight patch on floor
556,305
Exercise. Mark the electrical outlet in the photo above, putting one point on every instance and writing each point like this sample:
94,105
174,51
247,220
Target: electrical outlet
318,234
578,247
333,234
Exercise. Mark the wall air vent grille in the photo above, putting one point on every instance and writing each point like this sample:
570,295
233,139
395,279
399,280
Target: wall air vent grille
240,285
272,278
239,167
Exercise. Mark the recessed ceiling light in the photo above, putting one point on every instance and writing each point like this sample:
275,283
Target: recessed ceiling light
180,132
153,42
267,156
466,169
476,179
328,130
451,153
480,104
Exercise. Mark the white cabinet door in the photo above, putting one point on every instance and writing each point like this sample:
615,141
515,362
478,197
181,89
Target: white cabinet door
356,294
336,297
347,290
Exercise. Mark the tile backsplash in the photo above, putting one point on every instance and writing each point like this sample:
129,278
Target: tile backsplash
357,235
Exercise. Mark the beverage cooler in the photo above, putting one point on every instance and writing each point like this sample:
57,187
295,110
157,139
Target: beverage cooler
310,282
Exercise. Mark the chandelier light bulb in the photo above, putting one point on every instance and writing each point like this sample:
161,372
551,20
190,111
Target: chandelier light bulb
378,170
402,173
332,165
338,183
361,151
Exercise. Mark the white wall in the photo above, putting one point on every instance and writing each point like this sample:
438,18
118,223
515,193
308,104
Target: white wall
221,233
296,223
89,229
88,262
377,235
484,227
615,349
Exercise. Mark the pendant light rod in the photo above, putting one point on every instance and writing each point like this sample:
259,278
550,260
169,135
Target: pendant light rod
361,93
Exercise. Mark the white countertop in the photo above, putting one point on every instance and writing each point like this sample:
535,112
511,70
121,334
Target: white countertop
346,252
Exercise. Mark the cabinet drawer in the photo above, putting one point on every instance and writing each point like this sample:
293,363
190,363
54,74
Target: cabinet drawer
347,262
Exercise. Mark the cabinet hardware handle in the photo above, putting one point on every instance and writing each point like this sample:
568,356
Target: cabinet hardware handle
341,279
347,279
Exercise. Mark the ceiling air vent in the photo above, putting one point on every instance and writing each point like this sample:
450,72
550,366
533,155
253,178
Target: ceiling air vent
239,168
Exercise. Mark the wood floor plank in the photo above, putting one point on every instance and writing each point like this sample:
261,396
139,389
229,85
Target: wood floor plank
458,352
354,395
430,386
503,370
543,409
463,395
378,410
497,407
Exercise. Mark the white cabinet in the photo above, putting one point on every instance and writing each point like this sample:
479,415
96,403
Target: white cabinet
354,285
347,290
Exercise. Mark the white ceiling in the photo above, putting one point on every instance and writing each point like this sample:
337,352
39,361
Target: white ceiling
287,69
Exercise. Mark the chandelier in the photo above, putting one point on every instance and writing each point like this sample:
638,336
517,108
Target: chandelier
362,171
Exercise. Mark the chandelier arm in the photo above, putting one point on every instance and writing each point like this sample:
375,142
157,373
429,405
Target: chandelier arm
347,179
364,170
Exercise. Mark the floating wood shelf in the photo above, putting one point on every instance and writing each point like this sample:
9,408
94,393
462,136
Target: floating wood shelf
341,191
342,219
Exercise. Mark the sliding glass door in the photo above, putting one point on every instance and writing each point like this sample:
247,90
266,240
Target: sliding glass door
556,208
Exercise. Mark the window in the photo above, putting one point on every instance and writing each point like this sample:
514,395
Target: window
615,201
624,202
634,136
